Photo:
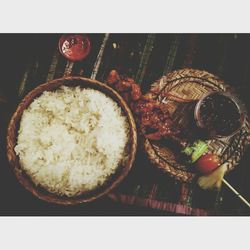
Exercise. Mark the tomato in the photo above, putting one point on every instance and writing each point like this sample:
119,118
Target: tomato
74,47
207,163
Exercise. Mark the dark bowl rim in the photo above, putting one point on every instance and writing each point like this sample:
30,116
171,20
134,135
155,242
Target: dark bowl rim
233,98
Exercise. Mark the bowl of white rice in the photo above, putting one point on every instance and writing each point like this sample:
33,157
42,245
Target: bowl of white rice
71,140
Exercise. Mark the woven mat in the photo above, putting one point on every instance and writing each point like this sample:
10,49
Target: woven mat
176,190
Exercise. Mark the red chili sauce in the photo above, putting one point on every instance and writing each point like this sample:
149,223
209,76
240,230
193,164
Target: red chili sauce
74,47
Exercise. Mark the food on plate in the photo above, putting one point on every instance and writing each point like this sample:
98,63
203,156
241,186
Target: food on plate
143,105
207,163
125,86
219,114
71,140
155,121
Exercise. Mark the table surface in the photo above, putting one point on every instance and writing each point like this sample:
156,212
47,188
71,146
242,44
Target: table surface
31,59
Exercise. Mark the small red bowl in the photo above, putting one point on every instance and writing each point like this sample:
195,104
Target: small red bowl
74,47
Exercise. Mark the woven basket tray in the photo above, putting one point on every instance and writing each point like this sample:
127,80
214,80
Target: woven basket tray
114,180
192,84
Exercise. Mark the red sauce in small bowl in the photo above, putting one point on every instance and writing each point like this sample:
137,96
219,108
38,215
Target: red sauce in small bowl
74,47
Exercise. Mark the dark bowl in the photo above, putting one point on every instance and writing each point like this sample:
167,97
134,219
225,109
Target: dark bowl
235,109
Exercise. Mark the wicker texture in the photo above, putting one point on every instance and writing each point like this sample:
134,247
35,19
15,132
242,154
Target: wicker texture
192,84
123,169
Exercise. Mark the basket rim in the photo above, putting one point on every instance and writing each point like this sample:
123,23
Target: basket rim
12,132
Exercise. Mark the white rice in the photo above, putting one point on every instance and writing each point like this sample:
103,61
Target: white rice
71,140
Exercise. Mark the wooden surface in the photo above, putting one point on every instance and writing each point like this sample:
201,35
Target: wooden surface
28,60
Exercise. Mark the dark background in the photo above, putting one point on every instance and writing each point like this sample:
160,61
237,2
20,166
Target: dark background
225,55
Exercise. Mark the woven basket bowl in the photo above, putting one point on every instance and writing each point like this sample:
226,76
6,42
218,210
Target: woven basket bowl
194,85
122,170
